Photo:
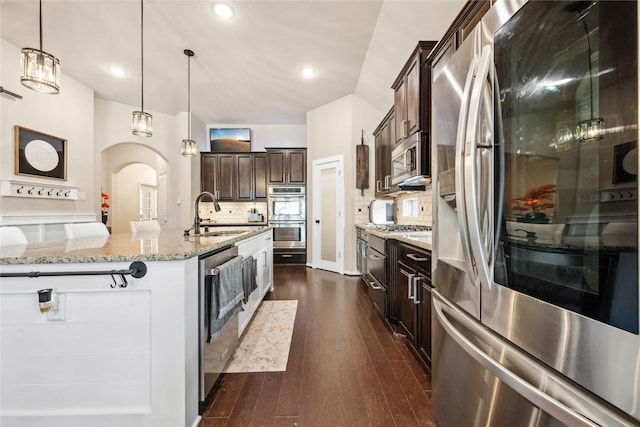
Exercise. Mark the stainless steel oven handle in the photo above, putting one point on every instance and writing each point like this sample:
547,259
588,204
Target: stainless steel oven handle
404,160
537,397
416,257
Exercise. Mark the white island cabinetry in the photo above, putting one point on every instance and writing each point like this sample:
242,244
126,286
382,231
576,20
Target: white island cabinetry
112,355
261,249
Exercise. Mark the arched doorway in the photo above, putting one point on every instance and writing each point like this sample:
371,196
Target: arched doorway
128,168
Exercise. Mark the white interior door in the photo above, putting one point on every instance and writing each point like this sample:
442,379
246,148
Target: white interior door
328,214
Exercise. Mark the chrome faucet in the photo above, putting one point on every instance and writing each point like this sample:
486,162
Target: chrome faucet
196,219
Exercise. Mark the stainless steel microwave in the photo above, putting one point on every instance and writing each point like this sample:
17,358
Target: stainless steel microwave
410,161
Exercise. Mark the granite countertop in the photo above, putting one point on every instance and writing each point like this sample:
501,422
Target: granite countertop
418,240
169,245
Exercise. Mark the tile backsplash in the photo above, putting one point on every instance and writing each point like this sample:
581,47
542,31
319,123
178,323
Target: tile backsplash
232,212
424,208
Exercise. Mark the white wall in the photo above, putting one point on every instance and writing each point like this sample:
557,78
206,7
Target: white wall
128,183
92,125
113,126
333,129
68,115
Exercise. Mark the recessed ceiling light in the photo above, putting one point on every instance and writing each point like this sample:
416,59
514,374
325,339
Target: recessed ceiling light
223,10
116,71
308,72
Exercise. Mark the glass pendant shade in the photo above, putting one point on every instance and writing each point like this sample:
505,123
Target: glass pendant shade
40,70
189,148
142,124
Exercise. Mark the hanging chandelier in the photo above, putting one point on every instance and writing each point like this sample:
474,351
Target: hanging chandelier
141,121
40,70
189,147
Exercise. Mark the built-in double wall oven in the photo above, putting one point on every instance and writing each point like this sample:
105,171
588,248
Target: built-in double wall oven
288,217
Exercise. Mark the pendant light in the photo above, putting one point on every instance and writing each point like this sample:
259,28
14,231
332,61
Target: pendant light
188,145
141,121
40,70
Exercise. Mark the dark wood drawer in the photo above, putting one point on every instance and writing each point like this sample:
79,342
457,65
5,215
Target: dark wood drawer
289,258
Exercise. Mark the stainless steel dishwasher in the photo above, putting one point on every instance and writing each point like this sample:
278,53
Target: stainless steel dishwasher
214,355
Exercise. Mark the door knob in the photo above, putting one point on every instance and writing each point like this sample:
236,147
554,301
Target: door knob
317,221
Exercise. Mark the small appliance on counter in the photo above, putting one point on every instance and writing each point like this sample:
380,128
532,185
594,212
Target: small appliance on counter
255,216
381,212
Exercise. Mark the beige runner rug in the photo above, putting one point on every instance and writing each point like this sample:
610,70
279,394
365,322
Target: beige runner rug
265,345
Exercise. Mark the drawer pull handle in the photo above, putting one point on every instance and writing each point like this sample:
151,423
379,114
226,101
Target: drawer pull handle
416,257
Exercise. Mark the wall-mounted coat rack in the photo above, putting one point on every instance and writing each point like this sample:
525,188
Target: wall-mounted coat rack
38,190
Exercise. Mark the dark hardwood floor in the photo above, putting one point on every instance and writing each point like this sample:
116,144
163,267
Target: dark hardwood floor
345,368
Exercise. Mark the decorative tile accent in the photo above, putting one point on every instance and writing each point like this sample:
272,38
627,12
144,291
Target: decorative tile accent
265,346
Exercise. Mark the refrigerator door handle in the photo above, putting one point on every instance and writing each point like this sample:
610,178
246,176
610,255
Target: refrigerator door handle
459,181
537,397
483,259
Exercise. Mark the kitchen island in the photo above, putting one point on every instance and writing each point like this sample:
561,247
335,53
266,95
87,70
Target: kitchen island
119,350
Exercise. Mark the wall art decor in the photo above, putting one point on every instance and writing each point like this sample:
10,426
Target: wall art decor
625,162
40,154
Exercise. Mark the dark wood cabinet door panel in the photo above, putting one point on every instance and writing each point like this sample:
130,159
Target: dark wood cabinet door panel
244,176
277,163
225,177
413,98
297,167
260,176
209,168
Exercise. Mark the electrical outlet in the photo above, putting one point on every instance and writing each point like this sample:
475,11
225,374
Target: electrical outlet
61,312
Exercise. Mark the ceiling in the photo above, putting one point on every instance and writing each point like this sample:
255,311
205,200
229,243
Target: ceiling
246,70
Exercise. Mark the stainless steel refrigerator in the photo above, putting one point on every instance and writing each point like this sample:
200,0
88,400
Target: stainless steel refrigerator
535,260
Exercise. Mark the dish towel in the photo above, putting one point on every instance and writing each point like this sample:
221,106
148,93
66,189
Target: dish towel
249,271
224,294
230,291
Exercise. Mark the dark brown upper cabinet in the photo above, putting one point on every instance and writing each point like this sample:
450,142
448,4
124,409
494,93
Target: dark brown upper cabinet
217,175
411,101
287,166
384,140
251,176
235,176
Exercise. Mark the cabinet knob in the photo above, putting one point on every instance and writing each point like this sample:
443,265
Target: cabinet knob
317,221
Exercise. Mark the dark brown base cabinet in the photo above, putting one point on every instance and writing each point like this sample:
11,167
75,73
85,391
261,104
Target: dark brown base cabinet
412,297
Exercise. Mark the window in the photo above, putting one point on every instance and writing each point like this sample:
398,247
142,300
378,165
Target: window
410,207
148,202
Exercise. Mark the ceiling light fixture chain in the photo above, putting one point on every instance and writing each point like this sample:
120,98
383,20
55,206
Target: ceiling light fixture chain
142,121
188,145
40,70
